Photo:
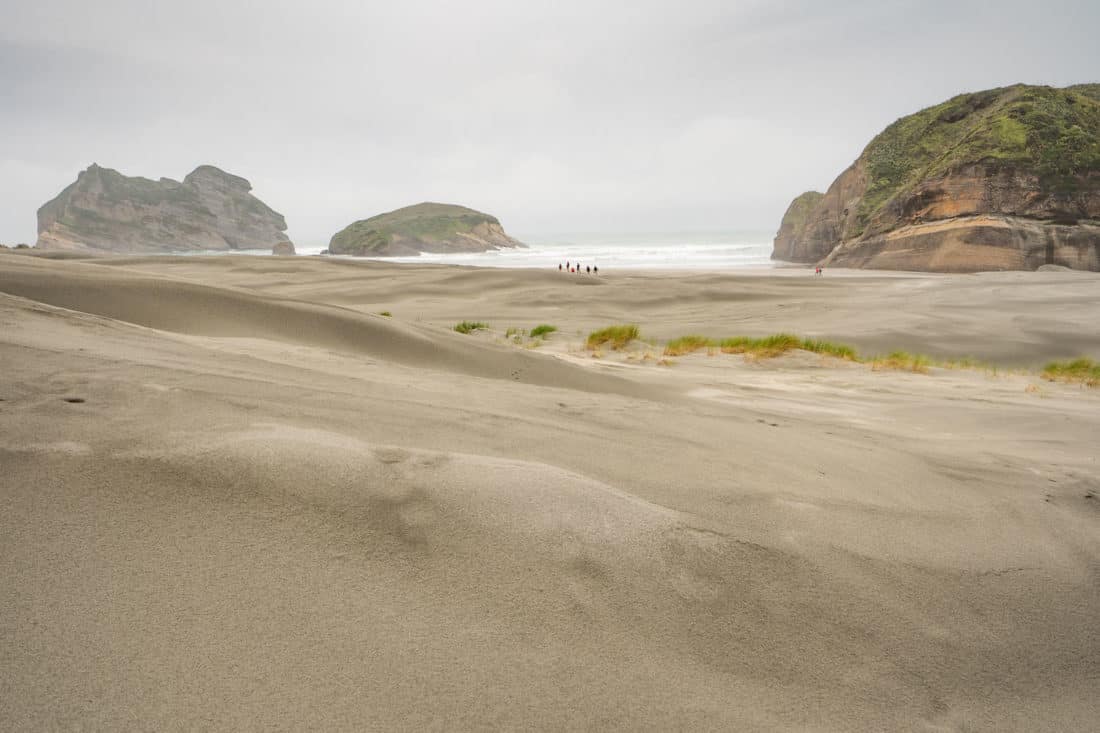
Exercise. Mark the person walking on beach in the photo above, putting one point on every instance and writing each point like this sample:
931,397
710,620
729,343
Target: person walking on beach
595,270
559,267
588,270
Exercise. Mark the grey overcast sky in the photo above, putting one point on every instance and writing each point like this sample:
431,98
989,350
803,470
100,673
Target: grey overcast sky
649,115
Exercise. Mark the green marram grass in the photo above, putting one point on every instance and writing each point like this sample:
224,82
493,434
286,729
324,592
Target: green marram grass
614,337
902,361
688,344
765,347
542,329
470,326
759,347
781,343
828,348
1083,370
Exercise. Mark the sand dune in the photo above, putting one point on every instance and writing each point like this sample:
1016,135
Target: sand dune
1015,318
274,508
195,308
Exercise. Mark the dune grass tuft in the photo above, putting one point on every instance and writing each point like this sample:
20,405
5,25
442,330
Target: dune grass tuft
828,348
1082,370
781,343
688,344
902,361
470,326
760,348
542,329
387,314
614,337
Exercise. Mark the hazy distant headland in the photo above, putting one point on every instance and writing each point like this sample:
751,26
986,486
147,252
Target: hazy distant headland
425,227
1004,179
105,211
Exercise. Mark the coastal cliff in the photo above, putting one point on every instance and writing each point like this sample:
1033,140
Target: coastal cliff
105,211
1005,179
794,223
425,227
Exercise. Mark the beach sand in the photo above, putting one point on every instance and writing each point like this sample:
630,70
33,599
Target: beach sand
232,496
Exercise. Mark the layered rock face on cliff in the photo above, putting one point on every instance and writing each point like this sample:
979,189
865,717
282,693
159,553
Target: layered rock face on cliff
424,227
106,211
1005,179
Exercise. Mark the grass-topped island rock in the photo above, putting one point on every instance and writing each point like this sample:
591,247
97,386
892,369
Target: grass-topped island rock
425,227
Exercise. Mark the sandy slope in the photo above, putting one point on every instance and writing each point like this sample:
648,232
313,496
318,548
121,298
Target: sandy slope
276,509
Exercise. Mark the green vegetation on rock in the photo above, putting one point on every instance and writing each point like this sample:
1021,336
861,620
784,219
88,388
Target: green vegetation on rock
1089,90
800,209
423,227
1008,179
1052,133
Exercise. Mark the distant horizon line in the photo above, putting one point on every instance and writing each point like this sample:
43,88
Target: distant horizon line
767,232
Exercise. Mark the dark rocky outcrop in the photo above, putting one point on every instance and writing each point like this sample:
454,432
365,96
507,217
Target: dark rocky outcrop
1002,179
794,222
424,227
106,211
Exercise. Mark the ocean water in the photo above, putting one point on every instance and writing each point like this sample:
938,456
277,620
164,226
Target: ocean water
655,251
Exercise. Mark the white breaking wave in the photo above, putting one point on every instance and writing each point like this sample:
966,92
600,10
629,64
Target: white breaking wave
680,251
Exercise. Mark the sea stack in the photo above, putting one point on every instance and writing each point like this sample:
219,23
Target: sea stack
1004,179
425,227
105,211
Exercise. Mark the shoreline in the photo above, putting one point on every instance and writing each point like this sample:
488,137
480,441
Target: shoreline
776,267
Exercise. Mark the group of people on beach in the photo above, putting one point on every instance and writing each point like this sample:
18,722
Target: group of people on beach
576,267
